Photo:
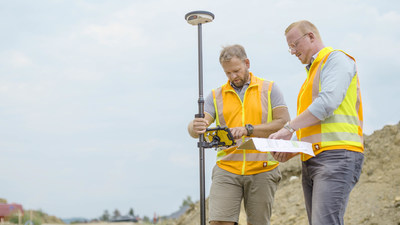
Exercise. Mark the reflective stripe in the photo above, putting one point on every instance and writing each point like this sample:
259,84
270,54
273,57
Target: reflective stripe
219,106
266,87
216,109
249,157
358,103
334,136
220,155
243,124
316,88
338,136
342,119
269,111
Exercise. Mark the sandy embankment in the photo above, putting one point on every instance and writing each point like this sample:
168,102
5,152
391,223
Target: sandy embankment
97,223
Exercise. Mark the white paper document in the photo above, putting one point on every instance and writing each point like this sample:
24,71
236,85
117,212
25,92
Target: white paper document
274,145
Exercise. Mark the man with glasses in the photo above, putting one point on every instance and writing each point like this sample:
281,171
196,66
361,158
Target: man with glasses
329,115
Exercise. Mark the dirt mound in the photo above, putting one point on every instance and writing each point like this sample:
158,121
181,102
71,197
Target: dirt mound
375,199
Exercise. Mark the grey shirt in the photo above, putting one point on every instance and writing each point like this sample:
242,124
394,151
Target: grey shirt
335,77
276,98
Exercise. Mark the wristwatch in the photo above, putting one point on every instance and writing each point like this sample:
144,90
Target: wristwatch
289,128
249,129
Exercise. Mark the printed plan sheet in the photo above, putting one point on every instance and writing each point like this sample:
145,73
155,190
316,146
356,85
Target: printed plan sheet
274,145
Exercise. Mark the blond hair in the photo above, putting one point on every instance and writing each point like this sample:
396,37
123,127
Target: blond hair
304,27
228,52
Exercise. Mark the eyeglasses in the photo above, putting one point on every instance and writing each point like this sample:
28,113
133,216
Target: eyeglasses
295,43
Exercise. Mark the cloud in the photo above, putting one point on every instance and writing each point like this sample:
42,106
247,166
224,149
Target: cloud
183,160
19,59
116,34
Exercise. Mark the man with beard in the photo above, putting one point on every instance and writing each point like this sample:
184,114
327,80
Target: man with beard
250,107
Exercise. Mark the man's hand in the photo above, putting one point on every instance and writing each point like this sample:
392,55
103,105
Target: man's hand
200,125
238,132
283,133
283,156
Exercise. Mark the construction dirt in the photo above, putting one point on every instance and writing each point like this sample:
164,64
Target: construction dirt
374,201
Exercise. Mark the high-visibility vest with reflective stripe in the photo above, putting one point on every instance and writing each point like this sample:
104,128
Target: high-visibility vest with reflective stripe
342,130
232,112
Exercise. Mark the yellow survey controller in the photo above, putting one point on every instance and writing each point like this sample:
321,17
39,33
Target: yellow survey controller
218,137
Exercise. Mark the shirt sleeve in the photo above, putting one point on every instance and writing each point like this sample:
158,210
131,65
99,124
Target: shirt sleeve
209,105
277,99
335,79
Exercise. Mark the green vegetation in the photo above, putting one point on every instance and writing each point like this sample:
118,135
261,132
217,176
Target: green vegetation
187,202
105,216
131,212
37,217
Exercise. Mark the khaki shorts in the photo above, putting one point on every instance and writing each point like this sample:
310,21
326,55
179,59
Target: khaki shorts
228,190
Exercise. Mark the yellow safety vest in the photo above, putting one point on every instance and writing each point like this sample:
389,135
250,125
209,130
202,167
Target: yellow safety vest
342,130
232,112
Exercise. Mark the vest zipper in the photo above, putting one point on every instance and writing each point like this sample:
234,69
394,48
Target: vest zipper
243,123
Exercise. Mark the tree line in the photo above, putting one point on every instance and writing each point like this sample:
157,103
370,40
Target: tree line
116,213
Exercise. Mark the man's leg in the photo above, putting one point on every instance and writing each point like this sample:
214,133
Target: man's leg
307,189
225,197
259,192
334,174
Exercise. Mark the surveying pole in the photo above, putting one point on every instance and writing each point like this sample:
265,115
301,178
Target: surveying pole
198,18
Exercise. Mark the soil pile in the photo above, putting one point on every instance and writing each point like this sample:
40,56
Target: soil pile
375,199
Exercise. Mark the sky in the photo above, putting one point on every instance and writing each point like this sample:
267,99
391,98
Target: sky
96,96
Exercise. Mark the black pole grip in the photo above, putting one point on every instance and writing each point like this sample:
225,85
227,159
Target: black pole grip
199,115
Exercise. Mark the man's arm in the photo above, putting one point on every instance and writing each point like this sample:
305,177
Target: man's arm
335,79
336,76
280,115
305,119
199,125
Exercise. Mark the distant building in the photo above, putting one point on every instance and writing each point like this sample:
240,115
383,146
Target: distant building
9,209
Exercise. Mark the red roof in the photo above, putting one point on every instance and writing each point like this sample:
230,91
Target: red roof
8,209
